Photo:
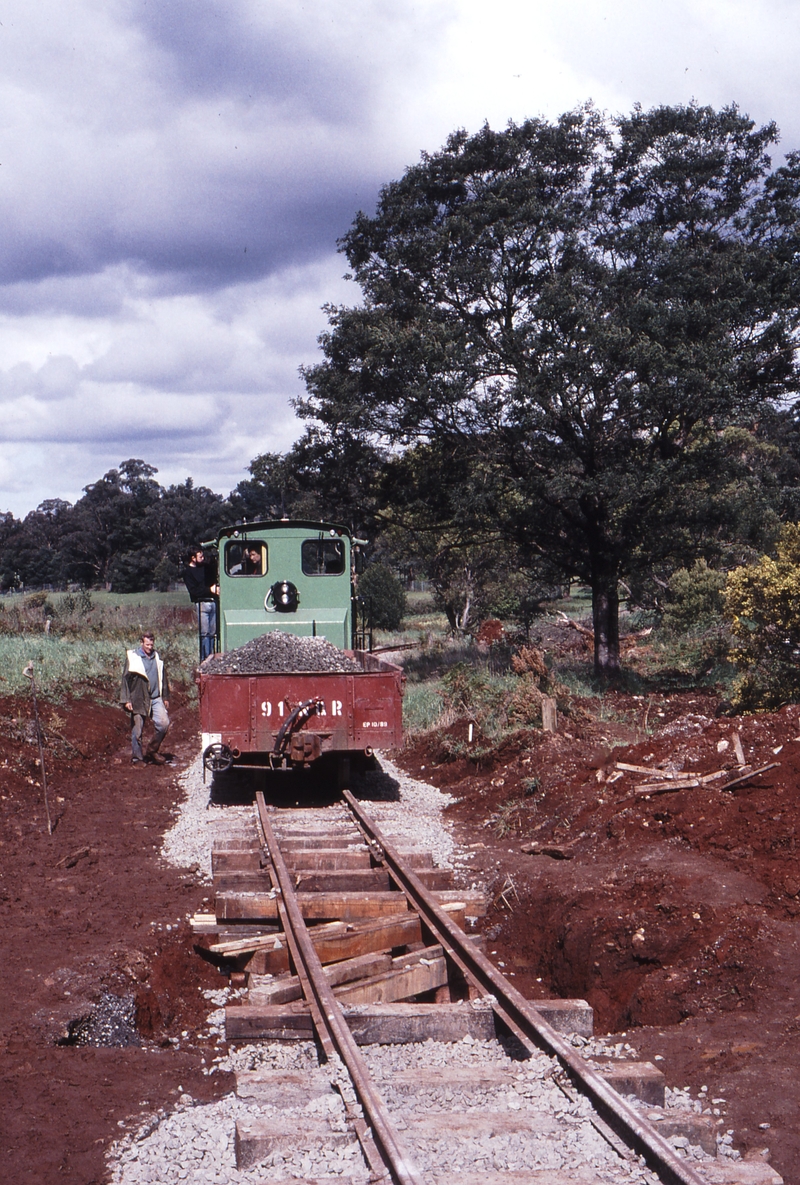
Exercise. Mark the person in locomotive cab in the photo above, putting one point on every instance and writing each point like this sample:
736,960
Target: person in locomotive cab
200,580
145,694
251,561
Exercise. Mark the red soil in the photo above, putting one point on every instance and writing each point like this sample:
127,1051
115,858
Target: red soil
84,911
675,916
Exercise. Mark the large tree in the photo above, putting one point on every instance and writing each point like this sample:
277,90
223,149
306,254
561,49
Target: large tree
589,302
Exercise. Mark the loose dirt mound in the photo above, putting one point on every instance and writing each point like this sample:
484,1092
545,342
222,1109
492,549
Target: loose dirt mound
93,931
676,909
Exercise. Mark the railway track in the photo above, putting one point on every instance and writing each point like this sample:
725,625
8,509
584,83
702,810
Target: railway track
427,1065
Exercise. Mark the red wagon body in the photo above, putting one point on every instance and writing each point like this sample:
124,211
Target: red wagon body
264,719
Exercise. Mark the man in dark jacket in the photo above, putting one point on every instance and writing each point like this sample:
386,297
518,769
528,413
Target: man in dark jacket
145,693
199,578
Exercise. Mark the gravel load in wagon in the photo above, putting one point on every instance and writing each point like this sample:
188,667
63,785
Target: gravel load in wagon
279,653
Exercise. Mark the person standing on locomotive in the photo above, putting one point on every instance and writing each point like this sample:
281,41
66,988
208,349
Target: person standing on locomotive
145,693
200,580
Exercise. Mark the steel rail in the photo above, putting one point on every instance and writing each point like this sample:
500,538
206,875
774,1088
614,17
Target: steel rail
376,1162
328,1016
521,1016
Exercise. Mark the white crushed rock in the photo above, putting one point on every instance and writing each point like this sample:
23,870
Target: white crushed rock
200,824
195,1143
409,812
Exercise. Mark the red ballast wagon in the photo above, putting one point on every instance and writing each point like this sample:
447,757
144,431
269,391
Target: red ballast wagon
281,719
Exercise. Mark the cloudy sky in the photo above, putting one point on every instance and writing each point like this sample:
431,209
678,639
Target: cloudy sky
174,175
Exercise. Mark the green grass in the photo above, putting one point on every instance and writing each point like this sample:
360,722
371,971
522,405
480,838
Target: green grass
83,666
422,706
84,650
101,599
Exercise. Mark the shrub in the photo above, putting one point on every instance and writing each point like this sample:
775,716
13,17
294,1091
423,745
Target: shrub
697,598
383,597
762,602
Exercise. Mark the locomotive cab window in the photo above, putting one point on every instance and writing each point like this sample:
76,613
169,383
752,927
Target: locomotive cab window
323,557
246,557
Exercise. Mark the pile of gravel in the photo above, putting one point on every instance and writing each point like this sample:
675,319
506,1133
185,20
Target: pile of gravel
280,653
111,1023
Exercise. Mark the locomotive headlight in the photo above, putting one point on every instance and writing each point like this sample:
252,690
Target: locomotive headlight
284,596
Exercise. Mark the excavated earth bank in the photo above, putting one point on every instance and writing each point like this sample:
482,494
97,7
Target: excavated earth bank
675,916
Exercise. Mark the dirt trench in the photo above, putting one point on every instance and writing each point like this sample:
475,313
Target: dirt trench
674,915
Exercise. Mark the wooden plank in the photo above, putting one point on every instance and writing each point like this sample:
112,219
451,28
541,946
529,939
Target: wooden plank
324,859
342,843
370,1024
235,861
282,1088
642,1080
474,1123
336,832
738,750
242,946
733,1172
666,787
346,940
233,906
394,1023
411,976
436,878
203,923
270,1022
416,857
356,880
248,906
232,844
399,1024
284,989
751,774
698,1129
569,1176
247,881
475,903
258,1138
639,1079
567,1016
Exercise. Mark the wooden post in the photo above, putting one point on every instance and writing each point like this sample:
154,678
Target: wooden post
549,714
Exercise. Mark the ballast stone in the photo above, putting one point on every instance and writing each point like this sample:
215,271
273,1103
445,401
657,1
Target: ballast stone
279,653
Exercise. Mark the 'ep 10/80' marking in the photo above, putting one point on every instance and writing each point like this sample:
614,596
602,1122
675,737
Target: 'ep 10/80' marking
283,710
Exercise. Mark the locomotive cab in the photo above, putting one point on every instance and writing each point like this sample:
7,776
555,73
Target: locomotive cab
293,576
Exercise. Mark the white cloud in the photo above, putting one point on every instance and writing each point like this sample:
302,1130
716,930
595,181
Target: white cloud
195,384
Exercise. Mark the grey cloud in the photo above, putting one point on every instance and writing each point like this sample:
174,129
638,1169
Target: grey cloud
57,379
203,143
281,51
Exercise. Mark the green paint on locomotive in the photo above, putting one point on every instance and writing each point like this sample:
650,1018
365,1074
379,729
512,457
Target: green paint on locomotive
291,575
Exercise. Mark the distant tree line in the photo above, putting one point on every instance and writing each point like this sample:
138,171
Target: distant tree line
130,533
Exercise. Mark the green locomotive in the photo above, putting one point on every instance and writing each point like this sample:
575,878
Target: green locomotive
296,577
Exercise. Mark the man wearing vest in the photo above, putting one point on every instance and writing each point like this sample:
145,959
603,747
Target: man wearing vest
145,692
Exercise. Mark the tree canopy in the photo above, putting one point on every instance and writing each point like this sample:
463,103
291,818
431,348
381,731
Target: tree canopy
586,305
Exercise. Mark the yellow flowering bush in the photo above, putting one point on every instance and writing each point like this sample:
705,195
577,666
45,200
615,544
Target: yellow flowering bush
762,602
